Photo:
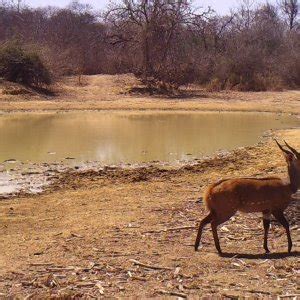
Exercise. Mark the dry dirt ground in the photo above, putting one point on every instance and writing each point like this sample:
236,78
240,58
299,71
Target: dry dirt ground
101,92
121,233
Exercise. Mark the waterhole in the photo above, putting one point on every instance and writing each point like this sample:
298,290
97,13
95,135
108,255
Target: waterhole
130,137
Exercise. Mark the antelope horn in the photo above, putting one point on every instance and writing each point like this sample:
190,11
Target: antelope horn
281,148
297,154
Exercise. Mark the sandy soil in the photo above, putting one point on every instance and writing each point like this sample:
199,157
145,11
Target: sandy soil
101,92
84,238
125,233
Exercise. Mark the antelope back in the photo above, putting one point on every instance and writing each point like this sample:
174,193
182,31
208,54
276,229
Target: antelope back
247,195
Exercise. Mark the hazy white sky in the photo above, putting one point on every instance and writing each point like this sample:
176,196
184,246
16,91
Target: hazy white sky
221,6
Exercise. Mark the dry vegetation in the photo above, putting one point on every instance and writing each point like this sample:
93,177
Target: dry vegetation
167,44
130,233
125,233
111,92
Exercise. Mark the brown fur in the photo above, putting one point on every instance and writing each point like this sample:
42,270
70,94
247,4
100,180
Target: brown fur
247,195
269,195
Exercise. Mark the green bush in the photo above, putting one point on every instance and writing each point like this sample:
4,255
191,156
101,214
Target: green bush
18,65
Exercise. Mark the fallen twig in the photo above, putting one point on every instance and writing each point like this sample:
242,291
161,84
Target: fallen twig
85,284
76,235
257,292
230,296
170,229
138,278
136,262
41,264
172,293
55,269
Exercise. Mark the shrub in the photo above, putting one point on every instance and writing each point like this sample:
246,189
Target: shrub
20,66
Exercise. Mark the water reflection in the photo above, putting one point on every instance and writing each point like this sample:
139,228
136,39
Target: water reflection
114,137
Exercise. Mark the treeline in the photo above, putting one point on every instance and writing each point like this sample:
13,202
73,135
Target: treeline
166,43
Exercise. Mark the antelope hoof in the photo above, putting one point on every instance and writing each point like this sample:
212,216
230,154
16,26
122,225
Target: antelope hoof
290,249
267,251
196,247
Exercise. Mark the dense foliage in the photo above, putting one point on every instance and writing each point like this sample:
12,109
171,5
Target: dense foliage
165,43
23,67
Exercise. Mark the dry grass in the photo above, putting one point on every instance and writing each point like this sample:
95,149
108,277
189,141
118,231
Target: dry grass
79,239
104,92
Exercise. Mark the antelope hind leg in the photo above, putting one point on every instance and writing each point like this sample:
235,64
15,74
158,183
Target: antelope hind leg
214,227
204,222
283,221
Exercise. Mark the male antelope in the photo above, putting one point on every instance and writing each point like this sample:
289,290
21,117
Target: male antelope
270,195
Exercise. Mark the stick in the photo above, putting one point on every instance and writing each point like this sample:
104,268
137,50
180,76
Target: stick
85,284
170,229
41,264
230,296
178,294
138,278
258,292
136,262
54,269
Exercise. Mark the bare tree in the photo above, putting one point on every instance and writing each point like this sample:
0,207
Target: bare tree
152,29
166,43
290,8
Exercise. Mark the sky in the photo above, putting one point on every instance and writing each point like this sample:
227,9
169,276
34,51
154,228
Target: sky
221,6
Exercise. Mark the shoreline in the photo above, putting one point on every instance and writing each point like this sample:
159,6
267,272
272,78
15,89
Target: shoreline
94,223
37,178
108,92
117,108
148,110
86,233
43,176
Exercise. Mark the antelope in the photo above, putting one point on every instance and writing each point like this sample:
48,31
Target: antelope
270,195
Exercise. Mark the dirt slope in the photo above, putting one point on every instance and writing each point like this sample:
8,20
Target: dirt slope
110,92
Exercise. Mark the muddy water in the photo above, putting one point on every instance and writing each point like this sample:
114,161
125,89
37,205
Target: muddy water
130,137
